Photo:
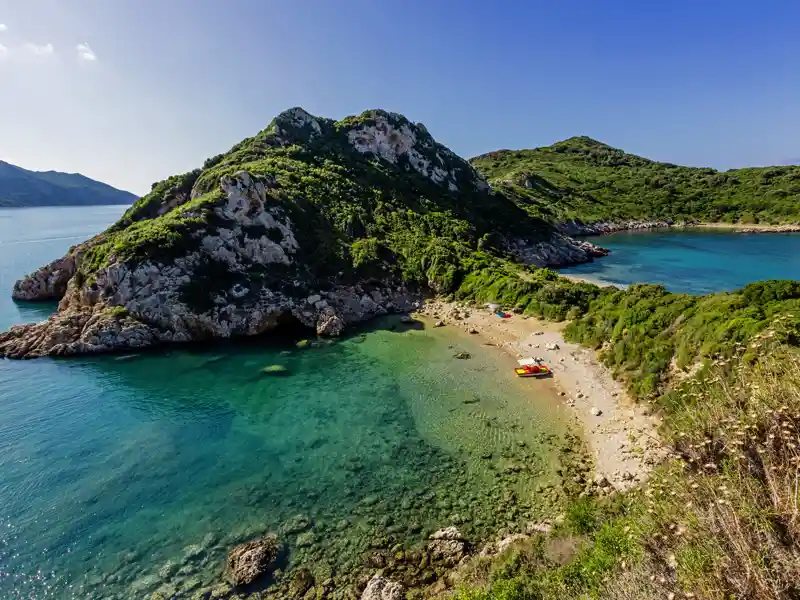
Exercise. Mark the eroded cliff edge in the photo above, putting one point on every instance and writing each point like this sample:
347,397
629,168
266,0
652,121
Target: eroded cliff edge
321,222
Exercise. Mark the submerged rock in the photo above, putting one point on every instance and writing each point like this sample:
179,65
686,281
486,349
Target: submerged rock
462,355
247,562
296,524
279,370
302,581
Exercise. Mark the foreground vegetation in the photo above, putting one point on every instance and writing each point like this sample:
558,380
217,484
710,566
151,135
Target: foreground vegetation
586,180
719,520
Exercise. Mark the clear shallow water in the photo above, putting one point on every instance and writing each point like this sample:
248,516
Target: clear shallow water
123,475
693,261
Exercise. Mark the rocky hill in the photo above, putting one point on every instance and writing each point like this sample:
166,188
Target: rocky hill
588,181
313,221
22,188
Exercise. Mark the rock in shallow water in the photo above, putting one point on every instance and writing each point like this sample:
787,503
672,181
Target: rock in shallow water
330,323
381,588
278,370
247,562
448,546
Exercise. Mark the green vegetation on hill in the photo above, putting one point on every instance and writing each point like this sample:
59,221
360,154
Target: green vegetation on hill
582,179
355,215
22,188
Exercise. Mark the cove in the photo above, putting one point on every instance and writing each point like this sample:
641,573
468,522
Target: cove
694,261
121,476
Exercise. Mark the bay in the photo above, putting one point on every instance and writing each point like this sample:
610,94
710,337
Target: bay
694,261
124,475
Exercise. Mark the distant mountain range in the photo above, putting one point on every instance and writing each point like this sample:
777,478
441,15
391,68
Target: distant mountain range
22,188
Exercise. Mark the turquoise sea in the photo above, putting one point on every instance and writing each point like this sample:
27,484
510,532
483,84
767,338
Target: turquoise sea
693,261
124,475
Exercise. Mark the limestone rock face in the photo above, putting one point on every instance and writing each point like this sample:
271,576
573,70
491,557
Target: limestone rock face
560,250
247,562
393,139
381,588
133,306
47,283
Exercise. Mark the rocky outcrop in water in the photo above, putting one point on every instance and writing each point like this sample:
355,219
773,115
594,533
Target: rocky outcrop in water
47,283
137,305
249,561
560,250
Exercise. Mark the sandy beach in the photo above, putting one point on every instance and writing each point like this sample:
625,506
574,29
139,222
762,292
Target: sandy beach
594,281
621,434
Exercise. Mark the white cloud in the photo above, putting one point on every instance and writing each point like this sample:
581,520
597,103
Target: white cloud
40,50
3,27
3,52
85,52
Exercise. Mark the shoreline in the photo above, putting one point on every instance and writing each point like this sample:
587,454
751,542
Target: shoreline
754,228
623,438
602,228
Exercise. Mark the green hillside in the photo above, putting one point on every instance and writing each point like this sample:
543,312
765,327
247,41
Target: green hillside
586,180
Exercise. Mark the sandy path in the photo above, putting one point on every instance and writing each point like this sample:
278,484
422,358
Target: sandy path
622,437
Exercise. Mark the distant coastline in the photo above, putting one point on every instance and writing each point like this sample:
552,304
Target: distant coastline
22,188
574,228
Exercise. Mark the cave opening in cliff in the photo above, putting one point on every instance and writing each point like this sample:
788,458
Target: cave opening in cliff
289,328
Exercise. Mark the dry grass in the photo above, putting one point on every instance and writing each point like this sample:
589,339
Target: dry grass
723,519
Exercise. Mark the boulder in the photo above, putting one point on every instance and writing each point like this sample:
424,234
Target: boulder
247,562
447,546
381,588
329,323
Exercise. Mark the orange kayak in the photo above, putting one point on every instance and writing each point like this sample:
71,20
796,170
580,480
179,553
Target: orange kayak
532,371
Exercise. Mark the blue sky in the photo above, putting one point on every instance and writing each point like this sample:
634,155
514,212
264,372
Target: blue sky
157,86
